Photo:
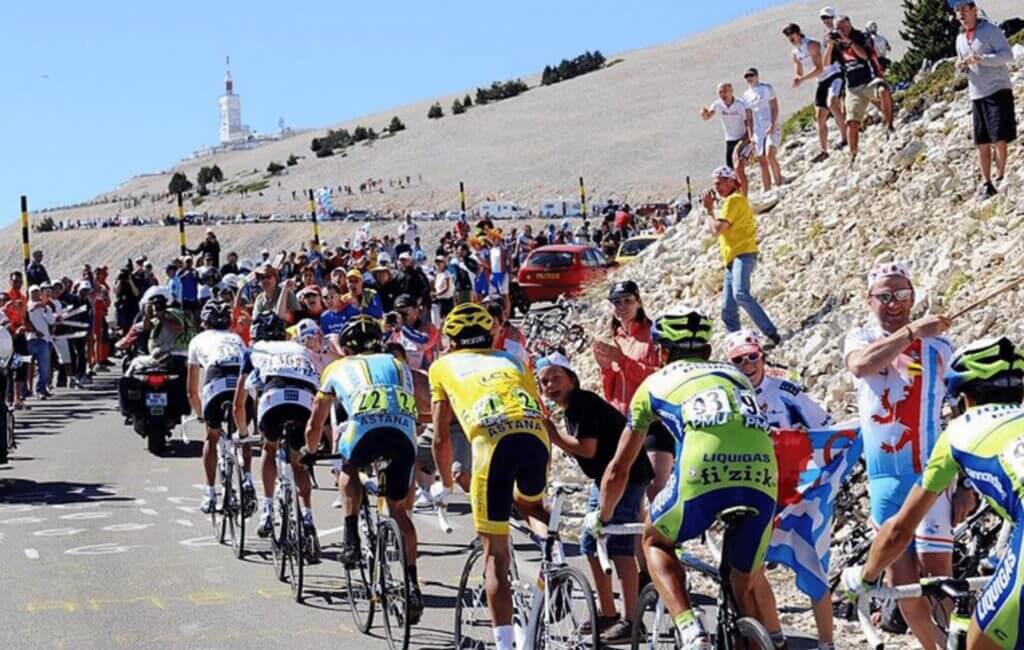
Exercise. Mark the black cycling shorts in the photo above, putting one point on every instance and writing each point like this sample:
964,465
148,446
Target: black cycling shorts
389,444
659,438
288,417
834,86
730,147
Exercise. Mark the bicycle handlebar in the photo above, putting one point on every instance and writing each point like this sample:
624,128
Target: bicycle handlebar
602,542
442,518
938,586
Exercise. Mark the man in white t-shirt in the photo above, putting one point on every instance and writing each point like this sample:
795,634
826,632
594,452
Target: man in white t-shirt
738,125
764,106
900,369
809,65
410,229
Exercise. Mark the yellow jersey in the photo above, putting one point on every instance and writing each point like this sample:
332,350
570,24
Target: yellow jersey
492,393
741,236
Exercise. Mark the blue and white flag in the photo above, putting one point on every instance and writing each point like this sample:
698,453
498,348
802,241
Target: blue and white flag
813,465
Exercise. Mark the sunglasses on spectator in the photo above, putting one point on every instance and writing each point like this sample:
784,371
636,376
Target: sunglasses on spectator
889,297
750,357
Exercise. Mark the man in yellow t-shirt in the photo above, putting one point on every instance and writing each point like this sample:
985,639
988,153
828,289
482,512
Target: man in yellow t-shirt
737,237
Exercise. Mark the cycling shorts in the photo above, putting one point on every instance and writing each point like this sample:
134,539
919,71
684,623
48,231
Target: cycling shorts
828,89
714,473
388,444
515,465
285,404
659,438
218,389
998,610
935,532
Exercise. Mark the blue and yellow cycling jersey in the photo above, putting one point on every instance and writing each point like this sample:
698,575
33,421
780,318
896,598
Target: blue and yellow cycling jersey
376,392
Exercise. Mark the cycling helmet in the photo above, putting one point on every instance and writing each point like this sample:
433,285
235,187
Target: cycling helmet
682,329
306,330
871,27
231,281
362,334
469,326
268,326
986,367
159,297
216,315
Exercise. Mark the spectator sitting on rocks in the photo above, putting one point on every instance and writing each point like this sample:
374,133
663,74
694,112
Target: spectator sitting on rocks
984,54
737,237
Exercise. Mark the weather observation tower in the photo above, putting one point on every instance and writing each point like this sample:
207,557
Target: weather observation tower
231,129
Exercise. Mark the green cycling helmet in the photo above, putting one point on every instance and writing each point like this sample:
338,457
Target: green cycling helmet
682,329
990,363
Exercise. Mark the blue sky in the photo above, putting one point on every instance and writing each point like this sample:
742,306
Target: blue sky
98,91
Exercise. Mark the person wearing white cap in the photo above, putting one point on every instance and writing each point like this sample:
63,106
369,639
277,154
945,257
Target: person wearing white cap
899,367
737,238
787,407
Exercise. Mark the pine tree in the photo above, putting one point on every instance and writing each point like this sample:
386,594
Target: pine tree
457,107
467,101
396,125
435,112
930,29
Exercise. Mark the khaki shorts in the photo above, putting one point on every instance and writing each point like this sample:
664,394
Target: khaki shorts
858,100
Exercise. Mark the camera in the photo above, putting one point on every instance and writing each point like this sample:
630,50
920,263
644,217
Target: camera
834,35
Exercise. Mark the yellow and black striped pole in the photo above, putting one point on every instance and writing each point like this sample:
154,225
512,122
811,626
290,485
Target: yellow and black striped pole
462,197
312,215
583,199
25,253
181,226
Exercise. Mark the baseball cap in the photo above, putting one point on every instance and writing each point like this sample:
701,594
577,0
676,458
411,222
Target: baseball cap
405,301
751,72
306,291
264,269
827,12
405,256
353,273
554,359
742,342
959,3
724,172
623,289
34,287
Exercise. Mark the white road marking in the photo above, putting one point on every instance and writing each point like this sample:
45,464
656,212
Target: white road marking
99,549
77,506
22,520
140,502
31,553
157,488
190,511
123,528
199,542
17,507
59,532
184,522
149,511
87,515
330,531
184,501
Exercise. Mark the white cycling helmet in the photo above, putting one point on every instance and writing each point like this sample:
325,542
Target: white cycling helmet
306,331
231,281
871,27
156,294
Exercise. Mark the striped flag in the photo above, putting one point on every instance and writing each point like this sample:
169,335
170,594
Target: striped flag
813,465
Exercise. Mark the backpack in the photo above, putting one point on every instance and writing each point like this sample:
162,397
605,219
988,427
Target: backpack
463,281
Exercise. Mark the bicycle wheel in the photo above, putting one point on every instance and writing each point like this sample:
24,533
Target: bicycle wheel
296,548
569,606
654,628
279,537
238,514
750,634
228,506
472,617
394,584
358,579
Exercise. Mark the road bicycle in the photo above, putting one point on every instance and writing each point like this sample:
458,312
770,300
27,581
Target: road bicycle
557,611
655,628
381,578
228,517
960,591
289,542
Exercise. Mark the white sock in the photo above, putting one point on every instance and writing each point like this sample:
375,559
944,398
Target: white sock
503,637
248,477
268,502
211,491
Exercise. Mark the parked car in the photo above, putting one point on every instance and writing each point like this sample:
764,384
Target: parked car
453,215
654,209
422,215
553,271
633,247
559,208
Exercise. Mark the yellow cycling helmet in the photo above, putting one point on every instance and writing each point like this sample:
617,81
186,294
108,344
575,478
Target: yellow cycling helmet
469,326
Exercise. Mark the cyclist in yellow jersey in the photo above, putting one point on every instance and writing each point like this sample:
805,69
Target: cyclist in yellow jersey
495,399
986,443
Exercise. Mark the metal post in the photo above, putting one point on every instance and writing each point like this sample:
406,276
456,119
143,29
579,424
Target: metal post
181,226
24,231
312,215
583,199
462,197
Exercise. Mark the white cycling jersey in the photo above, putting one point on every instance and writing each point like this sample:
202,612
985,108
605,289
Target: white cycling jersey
759,98
279,359
216,348
802,53
787,406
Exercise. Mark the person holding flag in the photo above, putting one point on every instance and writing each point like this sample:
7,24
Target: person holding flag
791,413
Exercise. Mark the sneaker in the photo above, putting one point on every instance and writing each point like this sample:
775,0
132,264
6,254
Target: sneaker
74,383
312,550
620,631
85,381
423,499
350,555
821,157
266,525
336,503
693,637
842,145
415,605
774,340
987,191
248,498
209,503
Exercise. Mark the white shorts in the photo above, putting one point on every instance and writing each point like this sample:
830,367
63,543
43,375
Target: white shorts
763,139
63,349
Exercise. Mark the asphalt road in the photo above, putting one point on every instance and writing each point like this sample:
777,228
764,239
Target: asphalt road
103,546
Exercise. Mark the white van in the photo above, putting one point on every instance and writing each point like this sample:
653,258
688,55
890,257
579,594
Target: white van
502,210
422,215
559,208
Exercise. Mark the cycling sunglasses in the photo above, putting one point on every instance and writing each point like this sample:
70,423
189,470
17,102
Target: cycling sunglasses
888,297
750,357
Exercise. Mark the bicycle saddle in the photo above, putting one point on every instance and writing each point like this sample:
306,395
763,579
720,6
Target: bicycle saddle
733,516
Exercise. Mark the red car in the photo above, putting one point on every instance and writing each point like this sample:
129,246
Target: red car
552,271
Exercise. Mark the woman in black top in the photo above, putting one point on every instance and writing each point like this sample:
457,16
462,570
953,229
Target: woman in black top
593,429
